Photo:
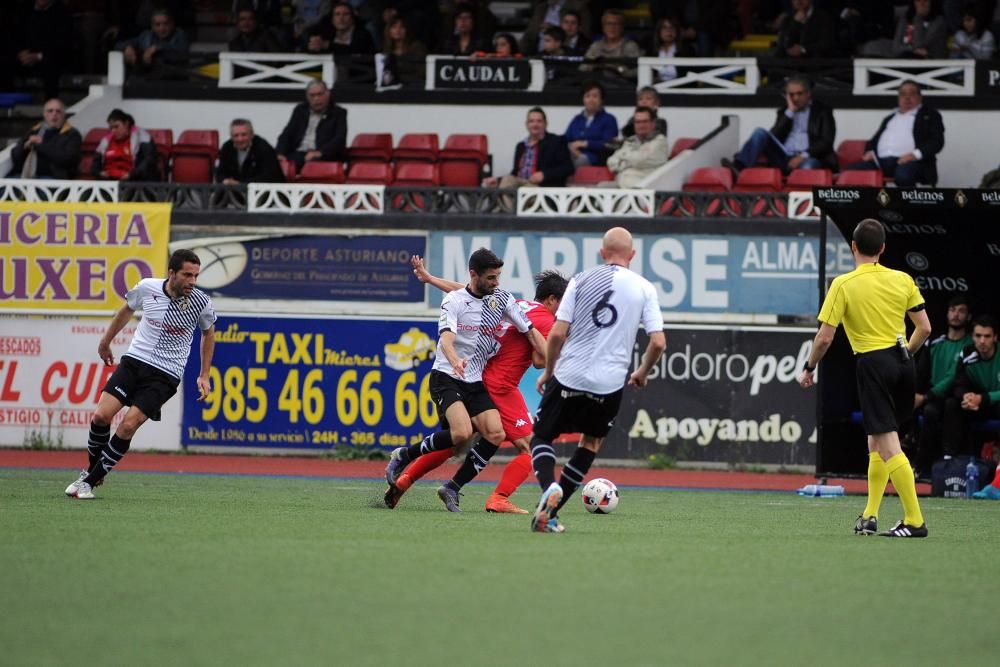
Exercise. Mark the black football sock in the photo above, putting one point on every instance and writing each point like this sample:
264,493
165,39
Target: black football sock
574,472
475,461
110,456
432,443
96,441
543,460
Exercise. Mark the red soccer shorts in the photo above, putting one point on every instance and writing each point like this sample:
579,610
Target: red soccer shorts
513,414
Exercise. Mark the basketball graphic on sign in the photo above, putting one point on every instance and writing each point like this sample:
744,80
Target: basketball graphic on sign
221,264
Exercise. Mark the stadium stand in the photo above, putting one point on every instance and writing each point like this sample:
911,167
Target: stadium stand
588,176
370,147
416,147
850,151
866,178
759,179
806,179
370,173
462,159
418,174
682,144
709,179
193,156
319,171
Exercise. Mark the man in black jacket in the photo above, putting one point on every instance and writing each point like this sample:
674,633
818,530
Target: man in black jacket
906,145
51,149
247,158
801,137
541,159
317,129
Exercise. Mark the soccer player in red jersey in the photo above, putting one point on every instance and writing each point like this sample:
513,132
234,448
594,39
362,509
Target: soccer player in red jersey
502,376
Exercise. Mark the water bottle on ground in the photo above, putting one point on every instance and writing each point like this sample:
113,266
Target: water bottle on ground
821,490
971,478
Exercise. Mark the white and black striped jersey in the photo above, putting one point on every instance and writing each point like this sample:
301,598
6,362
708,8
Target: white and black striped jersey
476,323
163,337
604,306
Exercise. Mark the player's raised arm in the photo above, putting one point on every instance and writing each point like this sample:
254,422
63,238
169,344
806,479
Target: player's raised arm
425,276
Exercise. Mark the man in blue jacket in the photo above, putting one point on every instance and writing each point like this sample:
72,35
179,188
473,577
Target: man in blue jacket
590,130
541,159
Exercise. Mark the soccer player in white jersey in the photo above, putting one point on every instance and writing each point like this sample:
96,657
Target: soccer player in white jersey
471,318
586,367
152,367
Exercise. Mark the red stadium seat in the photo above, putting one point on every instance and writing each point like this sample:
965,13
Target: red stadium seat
870,178
373,173
318,171
709,179
194,155
288,168
850,151
83,170
92,138
759,179
588,176
682,144
416,148
370,147
417,174
806,179
462,159
164,140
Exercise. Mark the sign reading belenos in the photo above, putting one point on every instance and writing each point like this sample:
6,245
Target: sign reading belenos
342,268
721,395
315,383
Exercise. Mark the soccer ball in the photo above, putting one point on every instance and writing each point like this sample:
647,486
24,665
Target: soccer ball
600,496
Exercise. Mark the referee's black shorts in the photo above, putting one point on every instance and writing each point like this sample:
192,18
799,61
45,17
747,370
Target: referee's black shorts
886,386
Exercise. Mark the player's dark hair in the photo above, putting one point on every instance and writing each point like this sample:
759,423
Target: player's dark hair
484,259
550,283
869,236
985,321
180,256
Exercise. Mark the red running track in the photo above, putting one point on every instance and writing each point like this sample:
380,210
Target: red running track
295,466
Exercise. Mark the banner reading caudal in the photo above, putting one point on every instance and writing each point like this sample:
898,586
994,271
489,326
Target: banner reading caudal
287,382
59,257
51,379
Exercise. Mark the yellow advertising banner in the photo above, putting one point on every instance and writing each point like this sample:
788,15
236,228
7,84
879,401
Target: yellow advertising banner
75,257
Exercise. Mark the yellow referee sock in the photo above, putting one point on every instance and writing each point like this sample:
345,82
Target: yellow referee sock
878,477
902,478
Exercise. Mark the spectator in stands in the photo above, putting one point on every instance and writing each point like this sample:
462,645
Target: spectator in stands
801,138
247,158
808,33
317,129
542,159
576,43
973,40
646,98
975,392
251,36
505,46
51,149
936,365
464,41
589,132
666,44
406,53
867,28
163,43
921,32
708,24
42,36
552,42
308,13
641,154
126,153
339,34
906,144
615,47
548,14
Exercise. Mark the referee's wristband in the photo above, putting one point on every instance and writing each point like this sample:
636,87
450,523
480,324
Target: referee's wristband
807,368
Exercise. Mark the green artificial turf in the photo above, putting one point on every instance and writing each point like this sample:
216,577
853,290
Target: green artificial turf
203,570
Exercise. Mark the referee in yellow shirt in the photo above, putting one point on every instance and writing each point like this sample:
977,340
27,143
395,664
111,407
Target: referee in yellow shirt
872,302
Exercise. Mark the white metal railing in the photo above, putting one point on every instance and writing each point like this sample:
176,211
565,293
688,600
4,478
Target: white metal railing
801,206
936,77
273,70
605,202
703,76
313,198
43,190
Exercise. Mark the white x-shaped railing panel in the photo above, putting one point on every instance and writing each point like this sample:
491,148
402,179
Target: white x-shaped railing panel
312,198
936,77
274,70
604,202
723,76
